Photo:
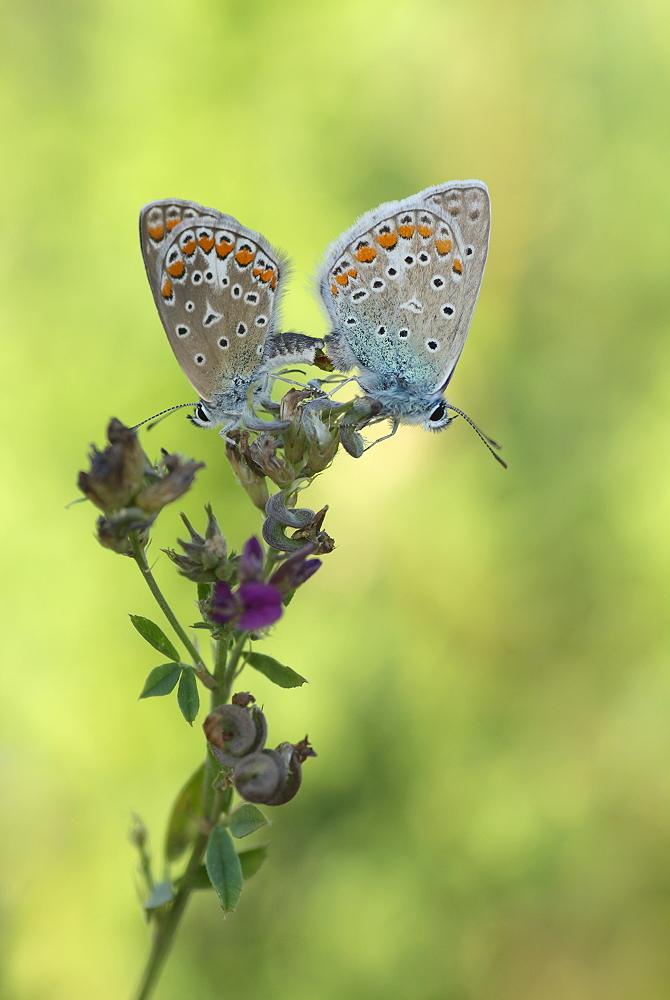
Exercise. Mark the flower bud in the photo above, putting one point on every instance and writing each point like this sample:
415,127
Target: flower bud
118,473
249,474
206,559
179,479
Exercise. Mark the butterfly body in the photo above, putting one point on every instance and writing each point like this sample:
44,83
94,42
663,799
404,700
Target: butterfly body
216,285
400,287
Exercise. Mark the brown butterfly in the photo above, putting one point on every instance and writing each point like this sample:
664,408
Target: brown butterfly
216,286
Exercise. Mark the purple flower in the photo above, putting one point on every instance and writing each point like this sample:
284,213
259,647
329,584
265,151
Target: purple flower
253,605
295,570
250,566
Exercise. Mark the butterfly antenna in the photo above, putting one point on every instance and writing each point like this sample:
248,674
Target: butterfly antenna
160,416
489,442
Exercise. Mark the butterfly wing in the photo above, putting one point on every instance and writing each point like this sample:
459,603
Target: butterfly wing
216,286
400,287
468,206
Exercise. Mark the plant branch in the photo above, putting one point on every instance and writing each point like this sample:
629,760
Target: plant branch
141,560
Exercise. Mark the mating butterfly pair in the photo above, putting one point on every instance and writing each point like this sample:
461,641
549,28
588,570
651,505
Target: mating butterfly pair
399,288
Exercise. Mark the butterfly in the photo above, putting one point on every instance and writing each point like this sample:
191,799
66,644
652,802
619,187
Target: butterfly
399,288
217,287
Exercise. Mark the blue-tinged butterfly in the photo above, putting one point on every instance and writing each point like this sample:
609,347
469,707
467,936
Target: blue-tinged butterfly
217,286
400,287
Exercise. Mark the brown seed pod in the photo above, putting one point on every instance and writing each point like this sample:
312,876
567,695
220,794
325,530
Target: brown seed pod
259,776
234,732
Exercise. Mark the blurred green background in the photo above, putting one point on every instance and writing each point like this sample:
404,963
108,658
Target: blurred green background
489,814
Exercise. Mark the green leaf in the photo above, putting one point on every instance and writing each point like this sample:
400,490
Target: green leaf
187,696
245,820
162,893
252,859
183,823
155,636
275,671
204,590
200,880
223,868
161,680
210,628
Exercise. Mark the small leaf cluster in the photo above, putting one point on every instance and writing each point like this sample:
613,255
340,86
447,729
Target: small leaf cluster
164,677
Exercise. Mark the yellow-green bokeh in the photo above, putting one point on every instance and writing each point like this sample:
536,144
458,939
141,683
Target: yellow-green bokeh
489,814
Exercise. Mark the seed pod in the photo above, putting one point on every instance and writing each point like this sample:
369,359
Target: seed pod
233,732
258,777
289,787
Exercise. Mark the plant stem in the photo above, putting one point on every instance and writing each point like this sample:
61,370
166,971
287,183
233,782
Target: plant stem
165,927
141,560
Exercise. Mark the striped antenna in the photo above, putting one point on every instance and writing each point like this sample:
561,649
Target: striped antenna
161,416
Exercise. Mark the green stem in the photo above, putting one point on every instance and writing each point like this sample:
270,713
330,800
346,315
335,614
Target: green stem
231,665
141,560
166,927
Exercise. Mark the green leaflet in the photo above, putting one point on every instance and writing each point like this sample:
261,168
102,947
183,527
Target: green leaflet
161,680
223,868
155,636
275,671
245,820
183,823
187,695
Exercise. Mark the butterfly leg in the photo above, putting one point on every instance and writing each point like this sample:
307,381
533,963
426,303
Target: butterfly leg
396,424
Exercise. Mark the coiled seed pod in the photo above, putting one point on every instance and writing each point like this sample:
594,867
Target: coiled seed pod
234,732
259,776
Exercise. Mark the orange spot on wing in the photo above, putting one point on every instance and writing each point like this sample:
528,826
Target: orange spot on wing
457,266
244,257
366,254
334,289
443,247
156,232
266,275
189,247
206,243
425,231
273,283
171,223
223,248
257,271
342,279
406,231
387,240
166,290
352,272
177,269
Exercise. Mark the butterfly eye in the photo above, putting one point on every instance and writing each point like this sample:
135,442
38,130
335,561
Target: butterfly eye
202,414
438,413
